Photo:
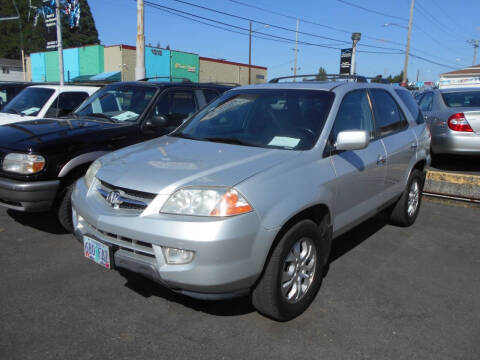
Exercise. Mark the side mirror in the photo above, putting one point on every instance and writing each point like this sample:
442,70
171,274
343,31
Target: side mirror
352,140
157,121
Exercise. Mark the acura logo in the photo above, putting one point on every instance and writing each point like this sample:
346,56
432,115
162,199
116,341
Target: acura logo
114,198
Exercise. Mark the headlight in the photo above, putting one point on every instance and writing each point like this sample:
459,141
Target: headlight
24,164
206,202
91,172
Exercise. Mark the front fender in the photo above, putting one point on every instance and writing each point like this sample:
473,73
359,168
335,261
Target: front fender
80,160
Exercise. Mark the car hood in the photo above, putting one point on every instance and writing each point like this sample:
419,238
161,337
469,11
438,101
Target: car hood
24,134
6,118
163,165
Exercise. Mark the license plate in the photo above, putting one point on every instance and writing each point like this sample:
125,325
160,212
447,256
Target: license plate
96,251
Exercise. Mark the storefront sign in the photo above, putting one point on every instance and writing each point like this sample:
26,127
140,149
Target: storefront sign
186,67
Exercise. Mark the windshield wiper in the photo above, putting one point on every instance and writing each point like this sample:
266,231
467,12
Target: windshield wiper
231,140
101,115
185,136
13,111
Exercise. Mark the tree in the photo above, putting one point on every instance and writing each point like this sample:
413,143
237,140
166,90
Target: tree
322,74
377,79
34,36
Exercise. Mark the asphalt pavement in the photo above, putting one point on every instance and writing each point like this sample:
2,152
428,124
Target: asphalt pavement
390,293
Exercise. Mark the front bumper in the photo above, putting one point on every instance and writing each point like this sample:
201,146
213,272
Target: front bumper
26,196
229,252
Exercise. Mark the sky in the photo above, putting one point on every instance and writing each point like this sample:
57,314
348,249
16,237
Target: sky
440,32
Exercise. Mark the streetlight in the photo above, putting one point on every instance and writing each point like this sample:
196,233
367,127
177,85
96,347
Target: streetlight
250,50
395,24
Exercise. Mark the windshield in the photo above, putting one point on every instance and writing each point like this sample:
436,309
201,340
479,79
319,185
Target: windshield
120,103
29,102
286,119
462,99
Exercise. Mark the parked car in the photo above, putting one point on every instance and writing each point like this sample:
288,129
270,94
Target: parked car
246,196
44,101
453,116
10,89
41,159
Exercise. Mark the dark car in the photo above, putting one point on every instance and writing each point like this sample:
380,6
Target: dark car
41,159
8,90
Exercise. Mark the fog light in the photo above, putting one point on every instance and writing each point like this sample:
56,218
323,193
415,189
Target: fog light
177,256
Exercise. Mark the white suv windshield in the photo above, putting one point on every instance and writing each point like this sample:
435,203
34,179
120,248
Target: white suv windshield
119,104
29,102
286,119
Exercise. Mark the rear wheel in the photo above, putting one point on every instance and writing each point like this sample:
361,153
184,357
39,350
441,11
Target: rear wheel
294,272
405,211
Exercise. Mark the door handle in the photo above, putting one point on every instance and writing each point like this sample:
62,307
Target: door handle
414,147
381,160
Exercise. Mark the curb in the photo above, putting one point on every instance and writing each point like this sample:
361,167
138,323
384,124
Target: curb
453,184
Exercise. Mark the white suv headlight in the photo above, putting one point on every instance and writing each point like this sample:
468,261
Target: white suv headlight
206,202
91,172
24,164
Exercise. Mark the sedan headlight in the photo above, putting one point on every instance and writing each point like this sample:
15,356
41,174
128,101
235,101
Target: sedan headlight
91,172
206,202
24,164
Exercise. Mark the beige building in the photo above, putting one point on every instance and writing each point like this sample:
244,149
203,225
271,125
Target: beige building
215,70
120,58
467,77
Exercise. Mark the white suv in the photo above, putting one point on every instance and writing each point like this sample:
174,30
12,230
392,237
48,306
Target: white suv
43,101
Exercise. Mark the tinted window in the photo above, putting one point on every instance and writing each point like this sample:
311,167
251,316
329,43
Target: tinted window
176,105
388,117
29,102
462,99
426,102
210,94
119,103
286,119
412,106
354,113
66,102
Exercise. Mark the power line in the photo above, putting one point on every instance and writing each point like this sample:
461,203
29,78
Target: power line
372,11
445,13
337,29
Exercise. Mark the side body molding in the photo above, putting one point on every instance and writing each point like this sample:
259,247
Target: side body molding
79,160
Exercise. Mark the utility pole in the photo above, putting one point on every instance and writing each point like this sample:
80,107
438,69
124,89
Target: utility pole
355,39
59,41
407,49
250,55
296,54
418,74
475,44
140,63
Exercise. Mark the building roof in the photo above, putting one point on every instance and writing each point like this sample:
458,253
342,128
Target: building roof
232,63
10,63
465,72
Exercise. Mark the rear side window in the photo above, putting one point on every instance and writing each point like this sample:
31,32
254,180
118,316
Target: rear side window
354,113
412,106
426,102
388,116
462,99
210,94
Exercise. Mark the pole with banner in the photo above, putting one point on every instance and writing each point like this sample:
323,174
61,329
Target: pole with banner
345,61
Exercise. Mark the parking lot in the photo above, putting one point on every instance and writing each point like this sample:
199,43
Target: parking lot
390,293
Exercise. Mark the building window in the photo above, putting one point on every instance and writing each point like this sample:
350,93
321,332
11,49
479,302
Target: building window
259,76
5,70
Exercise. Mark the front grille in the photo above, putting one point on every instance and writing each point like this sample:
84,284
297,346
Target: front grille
131,245
126,198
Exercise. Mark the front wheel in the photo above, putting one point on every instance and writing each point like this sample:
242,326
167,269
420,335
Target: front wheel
293,275
64,211
405,211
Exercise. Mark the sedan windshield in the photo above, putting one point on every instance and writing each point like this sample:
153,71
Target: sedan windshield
119,103
29,102
462,99
286,119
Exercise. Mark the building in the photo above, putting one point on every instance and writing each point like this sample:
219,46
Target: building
118,61
219,70
469,76
11,70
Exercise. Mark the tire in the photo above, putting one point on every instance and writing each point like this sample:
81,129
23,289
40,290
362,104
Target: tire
268,297
405,211
64,210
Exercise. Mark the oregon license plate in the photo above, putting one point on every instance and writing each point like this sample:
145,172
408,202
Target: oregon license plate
96,251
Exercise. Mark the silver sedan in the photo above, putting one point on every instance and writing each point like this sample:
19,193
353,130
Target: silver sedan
453,116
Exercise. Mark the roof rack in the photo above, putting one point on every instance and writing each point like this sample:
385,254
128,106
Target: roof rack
170,78
329,77
221,83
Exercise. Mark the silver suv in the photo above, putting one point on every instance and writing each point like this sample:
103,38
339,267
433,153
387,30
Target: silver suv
246,196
